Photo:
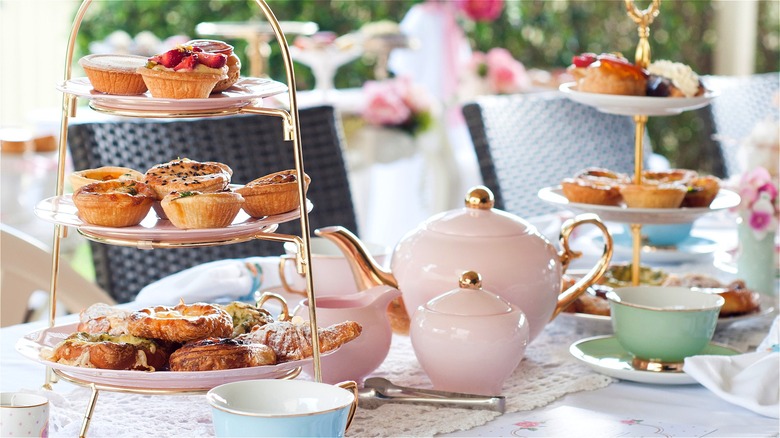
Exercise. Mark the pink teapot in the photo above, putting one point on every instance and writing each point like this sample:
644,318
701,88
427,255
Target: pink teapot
485,334
515,260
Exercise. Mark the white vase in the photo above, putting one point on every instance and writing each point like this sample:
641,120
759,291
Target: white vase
756,262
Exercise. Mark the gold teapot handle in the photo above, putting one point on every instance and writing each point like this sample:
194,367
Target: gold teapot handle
350,385
567,255
285,314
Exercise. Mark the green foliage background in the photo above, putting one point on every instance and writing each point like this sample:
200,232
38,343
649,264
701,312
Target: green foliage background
541,34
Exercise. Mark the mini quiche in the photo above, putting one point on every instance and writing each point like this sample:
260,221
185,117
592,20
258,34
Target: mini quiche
81,178
273,194
190,210
114,203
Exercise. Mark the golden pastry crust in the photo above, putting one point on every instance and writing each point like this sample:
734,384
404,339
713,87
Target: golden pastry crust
701,192
114,74
220,354
739,300
181,323
611,74
594,185
272,194
183,175
169,84
114,203
293,342
671,176
653,196
81,178
246,316
100,350
193,210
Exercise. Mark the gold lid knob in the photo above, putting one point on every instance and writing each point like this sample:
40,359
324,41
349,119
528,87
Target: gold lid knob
470,280
480,198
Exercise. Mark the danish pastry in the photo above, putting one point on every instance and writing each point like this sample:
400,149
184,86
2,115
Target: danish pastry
292,341
182,323
246,316
220,354
101,350
102,318
608,74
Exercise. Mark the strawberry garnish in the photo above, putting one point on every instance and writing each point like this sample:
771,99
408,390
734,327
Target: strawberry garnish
188,63
169,59
584,59
212,60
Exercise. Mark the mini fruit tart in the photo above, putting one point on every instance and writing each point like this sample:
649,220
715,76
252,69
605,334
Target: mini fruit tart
114,203
185,72
83,177
273,194
189,210
233,61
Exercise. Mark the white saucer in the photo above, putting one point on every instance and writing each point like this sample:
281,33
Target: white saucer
636,105
689,250
605,355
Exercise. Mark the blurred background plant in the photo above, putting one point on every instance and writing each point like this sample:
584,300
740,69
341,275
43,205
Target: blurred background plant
540,34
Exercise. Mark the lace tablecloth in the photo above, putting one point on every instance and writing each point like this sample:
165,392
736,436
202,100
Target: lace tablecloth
547,373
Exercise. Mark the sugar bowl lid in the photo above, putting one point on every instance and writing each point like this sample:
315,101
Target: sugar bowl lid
469,299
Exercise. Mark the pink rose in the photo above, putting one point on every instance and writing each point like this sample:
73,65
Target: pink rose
384,105
505,74
480,10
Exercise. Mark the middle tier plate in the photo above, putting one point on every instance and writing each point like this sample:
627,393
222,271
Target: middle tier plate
61,210
726,199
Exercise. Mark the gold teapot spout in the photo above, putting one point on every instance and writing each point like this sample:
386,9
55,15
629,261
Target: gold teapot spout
365,268
367,272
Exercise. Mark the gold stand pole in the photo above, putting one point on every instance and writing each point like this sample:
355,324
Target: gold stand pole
643,19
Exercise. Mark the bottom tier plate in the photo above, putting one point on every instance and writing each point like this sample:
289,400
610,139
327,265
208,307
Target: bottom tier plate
31,346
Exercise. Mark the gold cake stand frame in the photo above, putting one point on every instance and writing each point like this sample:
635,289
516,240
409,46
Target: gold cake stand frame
643,19
291,132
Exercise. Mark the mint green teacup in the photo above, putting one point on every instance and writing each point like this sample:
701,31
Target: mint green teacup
664,325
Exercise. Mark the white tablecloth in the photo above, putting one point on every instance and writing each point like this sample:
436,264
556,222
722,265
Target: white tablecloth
551,394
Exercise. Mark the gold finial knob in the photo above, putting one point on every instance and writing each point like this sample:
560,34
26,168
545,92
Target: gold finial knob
470,280
480,198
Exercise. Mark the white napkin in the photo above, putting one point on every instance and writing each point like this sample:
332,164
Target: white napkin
750,380
219,281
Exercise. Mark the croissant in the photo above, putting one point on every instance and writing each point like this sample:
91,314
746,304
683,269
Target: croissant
293,342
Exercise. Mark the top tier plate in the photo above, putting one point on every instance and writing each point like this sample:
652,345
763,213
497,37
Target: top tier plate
244,92
637,105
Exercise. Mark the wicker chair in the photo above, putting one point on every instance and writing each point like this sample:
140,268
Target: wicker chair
251,145
526,142
743,102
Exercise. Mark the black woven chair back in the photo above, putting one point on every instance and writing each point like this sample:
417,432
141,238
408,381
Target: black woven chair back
526,142
743,102
251,145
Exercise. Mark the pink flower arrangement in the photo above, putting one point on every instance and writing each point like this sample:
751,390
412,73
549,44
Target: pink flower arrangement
503,73
480,10
398,103
759,203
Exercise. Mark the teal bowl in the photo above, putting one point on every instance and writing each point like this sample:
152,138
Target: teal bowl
282,408
663,324
664,234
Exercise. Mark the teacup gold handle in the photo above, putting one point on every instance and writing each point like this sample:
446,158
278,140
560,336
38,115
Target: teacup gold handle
350,385
287,286
567,255
285,314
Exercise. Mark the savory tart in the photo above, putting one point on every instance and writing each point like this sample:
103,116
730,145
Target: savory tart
81,178
272,194
114,203
190,210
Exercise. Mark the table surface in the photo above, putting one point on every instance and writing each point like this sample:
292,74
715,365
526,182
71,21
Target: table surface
621,408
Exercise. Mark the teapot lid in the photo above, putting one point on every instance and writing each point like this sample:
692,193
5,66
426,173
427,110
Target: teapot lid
478,218
470,299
